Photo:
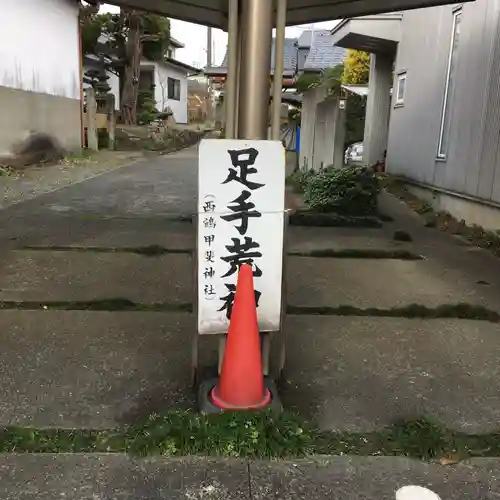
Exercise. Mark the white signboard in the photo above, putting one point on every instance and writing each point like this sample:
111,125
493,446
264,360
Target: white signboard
241,202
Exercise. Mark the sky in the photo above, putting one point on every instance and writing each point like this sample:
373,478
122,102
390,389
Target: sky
194,36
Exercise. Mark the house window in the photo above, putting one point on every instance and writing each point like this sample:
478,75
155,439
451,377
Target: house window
400,89
449,90
174,89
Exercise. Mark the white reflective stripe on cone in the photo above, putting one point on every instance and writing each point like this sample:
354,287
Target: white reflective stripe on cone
416,493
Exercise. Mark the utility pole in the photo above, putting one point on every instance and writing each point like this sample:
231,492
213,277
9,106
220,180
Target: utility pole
209,81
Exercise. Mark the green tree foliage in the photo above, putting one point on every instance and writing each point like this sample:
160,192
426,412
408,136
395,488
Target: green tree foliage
130,35
330,79
356,71
356,67
355,119
156,36
306,81
155,32
90,27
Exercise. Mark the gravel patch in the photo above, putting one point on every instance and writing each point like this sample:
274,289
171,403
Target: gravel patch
40,179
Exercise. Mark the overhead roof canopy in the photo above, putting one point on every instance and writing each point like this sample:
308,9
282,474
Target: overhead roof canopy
374,34
214,12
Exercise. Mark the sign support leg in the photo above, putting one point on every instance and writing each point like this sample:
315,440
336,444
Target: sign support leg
222,348
195,340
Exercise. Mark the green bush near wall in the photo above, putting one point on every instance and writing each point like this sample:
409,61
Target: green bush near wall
300,179
343,190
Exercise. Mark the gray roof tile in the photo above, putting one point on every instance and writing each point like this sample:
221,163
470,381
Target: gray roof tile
290,57
323,54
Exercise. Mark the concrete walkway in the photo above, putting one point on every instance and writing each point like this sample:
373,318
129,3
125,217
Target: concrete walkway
106,477
362,373
105,368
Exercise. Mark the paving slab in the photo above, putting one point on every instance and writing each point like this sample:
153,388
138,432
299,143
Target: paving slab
317,238
84,276
61,230
376,478
113,477
362,374
100,369
446,250
117,477
95,369
381,283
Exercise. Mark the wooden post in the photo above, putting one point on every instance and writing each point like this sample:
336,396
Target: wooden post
92,141
111,115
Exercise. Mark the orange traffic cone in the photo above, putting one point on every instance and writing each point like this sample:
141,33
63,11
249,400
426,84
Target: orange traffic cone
241,384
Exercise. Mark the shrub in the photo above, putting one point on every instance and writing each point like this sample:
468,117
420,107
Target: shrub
146,107
345,190
300,179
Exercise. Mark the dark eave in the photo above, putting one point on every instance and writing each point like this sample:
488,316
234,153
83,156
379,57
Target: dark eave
180,64
215,12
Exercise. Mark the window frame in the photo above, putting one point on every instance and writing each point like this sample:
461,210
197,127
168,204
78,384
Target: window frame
402,76
441,154
173,84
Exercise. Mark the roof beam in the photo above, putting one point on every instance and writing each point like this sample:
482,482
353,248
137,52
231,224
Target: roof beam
185,11
316,11
214,12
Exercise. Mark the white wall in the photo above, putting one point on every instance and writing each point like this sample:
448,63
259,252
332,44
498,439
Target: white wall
39,46
113,82
472,162
180,108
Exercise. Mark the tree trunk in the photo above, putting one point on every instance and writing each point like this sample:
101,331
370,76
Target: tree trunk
132,68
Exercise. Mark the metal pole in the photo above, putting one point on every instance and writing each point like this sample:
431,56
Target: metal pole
232,61
238,81
279,53
253,119
209,80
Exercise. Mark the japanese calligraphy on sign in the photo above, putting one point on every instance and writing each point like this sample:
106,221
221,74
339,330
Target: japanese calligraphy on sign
241,187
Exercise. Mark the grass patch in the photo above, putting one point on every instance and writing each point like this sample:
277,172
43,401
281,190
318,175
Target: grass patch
421,439
263,435
112,304
78,157
457,311
240,434
332,220
182,218
5,171
401,236
158,251
157,218
148,251
356,253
